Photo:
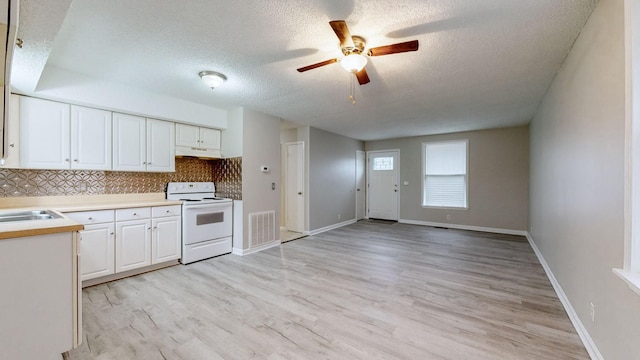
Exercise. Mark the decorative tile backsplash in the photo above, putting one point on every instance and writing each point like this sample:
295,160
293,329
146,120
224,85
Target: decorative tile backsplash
227,173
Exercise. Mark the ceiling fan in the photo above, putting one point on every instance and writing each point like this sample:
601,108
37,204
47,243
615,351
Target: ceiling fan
353,49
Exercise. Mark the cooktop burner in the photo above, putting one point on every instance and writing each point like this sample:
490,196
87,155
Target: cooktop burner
194,192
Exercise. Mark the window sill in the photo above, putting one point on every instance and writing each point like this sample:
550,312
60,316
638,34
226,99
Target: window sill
444,207
632,279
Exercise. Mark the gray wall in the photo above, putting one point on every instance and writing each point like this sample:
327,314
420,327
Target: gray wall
577,183
261,146
498,178
332,164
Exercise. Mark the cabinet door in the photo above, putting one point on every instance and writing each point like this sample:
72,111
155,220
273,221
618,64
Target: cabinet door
12,130
160,146
187,135
129,147
210,138
133,244
97,250
167,239
90,138
44,134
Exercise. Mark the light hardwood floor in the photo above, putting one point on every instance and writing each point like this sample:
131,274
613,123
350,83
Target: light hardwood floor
364,291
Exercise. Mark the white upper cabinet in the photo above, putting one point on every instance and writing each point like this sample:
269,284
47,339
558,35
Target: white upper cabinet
44,134
12,128
55,135
129,143
187,135
141,144
51,135
199,137
160,146
197,141
90,138
210,138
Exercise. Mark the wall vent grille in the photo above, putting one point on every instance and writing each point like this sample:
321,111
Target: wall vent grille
262,228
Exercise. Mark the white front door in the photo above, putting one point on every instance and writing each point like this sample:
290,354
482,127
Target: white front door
383,191
360,185
294,196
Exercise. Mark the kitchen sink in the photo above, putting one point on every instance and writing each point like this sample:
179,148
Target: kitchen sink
11,216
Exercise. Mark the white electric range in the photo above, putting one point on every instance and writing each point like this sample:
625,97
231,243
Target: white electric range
207,220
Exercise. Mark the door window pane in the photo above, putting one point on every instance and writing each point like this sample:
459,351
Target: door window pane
383,163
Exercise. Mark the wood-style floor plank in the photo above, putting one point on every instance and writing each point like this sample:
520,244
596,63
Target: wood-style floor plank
364,291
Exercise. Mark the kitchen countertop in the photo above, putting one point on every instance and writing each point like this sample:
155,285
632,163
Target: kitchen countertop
18,229
62,204
87,202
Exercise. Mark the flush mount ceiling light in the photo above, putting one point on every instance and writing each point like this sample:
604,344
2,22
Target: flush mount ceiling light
213,79
353,62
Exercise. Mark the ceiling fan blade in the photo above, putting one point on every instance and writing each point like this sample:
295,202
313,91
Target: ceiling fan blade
343,33
311,67
394,49
362,76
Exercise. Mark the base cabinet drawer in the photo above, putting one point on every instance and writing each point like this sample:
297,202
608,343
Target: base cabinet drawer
92,217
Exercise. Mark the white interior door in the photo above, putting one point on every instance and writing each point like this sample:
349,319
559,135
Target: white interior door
360,185
294,198
383,189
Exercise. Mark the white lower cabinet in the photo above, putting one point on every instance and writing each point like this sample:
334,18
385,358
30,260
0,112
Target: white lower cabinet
115,241
97,249
133,244
97,242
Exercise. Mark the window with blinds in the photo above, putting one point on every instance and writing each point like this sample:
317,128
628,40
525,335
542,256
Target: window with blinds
445,174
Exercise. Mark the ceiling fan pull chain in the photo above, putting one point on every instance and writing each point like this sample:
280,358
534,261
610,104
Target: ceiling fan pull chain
352,88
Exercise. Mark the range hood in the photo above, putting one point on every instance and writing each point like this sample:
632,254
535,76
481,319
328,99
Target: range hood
201,153
8,26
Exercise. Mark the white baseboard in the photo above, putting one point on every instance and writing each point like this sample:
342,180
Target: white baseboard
331,227
465,227
243,252
591,347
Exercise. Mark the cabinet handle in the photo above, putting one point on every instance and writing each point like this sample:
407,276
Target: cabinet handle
67,160
12,145
110,233
144,163
135,214
90,218
155,228
168,211
149,163
76,160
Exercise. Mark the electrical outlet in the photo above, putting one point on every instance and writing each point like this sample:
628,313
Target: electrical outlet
593,312
82,186
448,217
339,216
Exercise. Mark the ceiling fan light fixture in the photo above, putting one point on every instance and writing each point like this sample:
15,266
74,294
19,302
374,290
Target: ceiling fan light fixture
353,62
213,79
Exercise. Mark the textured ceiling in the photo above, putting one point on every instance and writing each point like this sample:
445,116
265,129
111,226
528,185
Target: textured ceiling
481,64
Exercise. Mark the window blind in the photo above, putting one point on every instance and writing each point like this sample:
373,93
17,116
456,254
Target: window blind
445,180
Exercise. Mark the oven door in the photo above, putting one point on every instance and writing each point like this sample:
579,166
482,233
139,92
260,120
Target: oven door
206,222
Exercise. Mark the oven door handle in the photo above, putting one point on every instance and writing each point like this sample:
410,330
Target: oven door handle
209,205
